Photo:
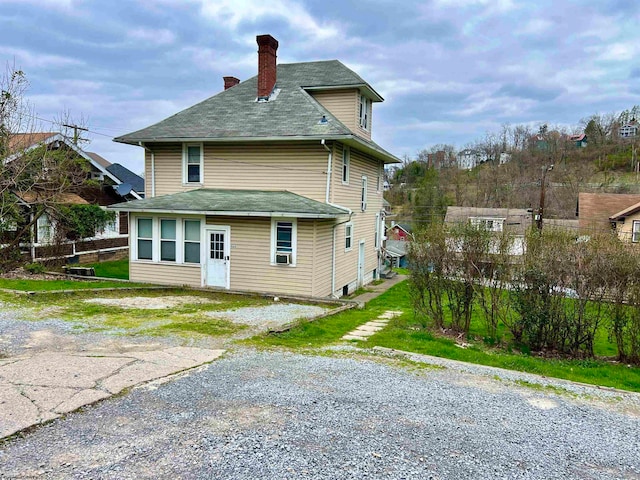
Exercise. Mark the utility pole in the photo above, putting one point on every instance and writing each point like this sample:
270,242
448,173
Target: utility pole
543,181
76,128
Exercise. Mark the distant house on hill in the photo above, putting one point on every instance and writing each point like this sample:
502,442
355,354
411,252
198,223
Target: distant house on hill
468,158
579,140
628,130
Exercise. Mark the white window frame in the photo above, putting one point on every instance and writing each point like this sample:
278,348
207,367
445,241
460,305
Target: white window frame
294,240
363,112
136,237
44,224
348,235
635,230
174,240
185,160
184,242
497,224
363,194
346,164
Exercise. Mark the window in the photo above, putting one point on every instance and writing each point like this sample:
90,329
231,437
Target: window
168,240
488,224
283,242
363,112
363,195
45,232
348,236
635,235
192,241
346,159
192,161
145,239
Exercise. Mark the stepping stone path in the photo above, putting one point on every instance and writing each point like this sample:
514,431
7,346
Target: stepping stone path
363,332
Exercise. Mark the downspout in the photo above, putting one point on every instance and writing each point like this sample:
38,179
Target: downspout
329,162
153,168
333,255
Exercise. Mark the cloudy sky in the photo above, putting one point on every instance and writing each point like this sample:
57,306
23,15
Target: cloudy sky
449,70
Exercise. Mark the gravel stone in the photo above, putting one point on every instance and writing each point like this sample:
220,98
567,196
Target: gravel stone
270,315
273,415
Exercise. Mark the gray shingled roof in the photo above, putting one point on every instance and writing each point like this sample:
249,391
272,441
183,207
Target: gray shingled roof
234,114
127,176
210,201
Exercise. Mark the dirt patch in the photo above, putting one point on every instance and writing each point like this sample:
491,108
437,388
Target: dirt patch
151,303
22,274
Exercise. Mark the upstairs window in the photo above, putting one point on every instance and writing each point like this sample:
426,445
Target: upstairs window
192,163
346,160
364,105
363,195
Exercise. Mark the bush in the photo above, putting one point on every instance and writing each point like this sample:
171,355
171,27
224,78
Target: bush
35,268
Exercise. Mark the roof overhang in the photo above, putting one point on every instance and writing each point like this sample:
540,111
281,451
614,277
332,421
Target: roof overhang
625,213
351,140
218,213
364,87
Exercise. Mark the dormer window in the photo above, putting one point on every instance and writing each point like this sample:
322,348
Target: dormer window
364,106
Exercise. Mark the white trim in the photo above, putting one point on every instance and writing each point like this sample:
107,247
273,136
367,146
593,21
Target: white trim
364,192
185,158
348,225
231,214
346,162
204,251
185,241
294,240
376,235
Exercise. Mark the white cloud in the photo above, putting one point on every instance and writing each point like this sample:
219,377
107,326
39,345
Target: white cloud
33,60
155,36
232,13
537,26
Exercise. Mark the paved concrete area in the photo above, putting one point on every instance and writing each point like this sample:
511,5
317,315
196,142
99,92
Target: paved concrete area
38,388
363,332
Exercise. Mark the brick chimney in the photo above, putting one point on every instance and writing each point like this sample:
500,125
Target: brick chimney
267,47
230,82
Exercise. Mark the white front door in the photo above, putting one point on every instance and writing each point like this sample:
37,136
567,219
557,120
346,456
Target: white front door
217,264
361,264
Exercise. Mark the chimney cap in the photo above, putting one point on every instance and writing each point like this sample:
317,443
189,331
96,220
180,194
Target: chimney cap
267,40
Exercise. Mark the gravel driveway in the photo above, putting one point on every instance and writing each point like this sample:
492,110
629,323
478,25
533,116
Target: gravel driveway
277,415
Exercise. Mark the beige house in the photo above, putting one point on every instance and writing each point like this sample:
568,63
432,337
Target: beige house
626,223
272,185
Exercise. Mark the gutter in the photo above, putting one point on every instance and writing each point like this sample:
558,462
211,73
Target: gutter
153,168
333,255
329,163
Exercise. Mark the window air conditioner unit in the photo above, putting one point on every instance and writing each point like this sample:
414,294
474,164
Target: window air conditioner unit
283,258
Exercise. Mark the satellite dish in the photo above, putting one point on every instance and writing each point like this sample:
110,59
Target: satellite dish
123,189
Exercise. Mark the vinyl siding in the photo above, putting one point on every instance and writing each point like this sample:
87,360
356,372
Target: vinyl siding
343,104
363,222
250,257
295,166
625,230
165,274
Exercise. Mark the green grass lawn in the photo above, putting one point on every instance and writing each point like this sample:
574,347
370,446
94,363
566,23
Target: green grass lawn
114,269
48,285
404,333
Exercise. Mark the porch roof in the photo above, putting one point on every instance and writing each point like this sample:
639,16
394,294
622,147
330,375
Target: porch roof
244,203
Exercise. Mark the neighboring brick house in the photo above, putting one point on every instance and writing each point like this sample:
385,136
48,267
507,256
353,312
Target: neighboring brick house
272,185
